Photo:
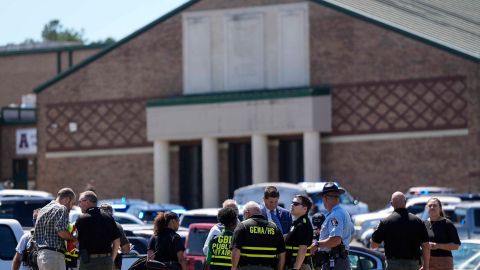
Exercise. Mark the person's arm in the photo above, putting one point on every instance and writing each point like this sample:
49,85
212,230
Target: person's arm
182,260
425,256
330,242
115,247
125,248
212,233
302,250
281,261
236,258
65,235
17,260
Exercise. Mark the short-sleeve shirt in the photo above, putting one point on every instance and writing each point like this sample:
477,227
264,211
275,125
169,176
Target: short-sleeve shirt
442,232
403,234
337,223
22,245
52,218
166,245
96,231
301,233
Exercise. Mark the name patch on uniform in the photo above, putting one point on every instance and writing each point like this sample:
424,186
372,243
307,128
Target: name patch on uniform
262,230
334,222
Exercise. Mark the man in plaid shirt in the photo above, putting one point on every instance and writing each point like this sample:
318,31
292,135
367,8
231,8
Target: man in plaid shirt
51,231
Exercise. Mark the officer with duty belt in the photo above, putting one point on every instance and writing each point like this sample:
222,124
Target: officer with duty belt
257,244
336,232
299,239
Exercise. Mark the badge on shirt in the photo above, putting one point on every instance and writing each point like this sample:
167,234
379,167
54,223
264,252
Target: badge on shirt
334,222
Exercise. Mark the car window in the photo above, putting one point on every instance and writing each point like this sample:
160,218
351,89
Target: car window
186,220
465,252
123,220
361,262
9,242
476,216
21,210
139,244
417,208
196,239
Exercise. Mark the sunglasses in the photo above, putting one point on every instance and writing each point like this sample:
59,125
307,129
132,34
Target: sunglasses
296,203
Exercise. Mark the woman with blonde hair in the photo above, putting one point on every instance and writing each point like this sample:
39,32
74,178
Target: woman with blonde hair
443,236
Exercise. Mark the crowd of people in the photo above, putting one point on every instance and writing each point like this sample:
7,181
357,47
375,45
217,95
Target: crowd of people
269,237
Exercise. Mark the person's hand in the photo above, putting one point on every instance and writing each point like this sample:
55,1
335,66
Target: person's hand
433,245
313,249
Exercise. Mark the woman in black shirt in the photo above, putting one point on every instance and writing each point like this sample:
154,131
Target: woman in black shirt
166,245
443,236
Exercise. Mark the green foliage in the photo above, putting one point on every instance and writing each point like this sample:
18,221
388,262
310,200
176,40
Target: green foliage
107,41
54,31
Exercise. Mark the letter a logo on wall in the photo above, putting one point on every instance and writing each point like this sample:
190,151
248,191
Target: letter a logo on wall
26,141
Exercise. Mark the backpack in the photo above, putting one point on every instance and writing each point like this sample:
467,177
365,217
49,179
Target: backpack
30,254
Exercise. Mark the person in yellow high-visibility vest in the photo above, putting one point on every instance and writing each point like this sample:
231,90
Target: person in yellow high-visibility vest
71,254
219,255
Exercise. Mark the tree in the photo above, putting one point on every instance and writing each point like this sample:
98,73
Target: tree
54,31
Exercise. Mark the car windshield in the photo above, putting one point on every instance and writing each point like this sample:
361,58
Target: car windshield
21,210
186,220
466,252
196,239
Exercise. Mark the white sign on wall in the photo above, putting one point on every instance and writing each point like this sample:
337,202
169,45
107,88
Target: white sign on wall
26,141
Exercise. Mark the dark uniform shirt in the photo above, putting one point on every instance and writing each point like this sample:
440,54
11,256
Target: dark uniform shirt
166,245
96,231
301,233
442,232
219,255
402,233
259,242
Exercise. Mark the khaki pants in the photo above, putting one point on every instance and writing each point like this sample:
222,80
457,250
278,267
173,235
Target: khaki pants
441,263
50,260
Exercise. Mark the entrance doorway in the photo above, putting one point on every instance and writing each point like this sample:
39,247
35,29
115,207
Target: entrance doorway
190,170
290,160
20,173
239,166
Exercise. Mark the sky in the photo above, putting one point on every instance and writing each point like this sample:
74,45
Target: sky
99,19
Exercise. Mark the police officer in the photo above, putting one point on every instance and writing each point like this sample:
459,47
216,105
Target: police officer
257,244
299,239
219,255
336,231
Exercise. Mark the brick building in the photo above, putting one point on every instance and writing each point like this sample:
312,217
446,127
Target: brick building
22,68
219,94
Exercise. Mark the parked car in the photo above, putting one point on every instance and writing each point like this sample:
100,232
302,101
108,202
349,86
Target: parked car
428,191
255,193
202,215
197,234
147,213
353,207
25,193
10,232
21,208
468,220
468,255
365,259
122,204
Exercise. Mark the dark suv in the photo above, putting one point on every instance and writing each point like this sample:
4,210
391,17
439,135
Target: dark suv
21,208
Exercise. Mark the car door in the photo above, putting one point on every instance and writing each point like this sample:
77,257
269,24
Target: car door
363,261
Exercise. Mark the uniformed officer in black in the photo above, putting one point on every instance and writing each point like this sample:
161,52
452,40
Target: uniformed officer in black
300,236
403,233
257,244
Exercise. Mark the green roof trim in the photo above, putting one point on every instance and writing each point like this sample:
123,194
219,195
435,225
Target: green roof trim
250,95
50,50
400,31
117,44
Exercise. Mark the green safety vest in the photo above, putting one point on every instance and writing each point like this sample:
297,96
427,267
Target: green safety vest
219,253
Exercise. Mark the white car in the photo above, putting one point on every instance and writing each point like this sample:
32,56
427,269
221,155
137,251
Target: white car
10,233
202,215
25,193
468,255
352,206
255,193
415,205
128,221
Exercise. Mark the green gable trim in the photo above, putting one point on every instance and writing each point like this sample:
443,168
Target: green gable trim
117,44
400,31
51,50
251,95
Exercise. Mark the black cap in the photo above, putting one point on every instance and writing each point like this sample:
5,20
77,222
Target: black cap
317,220
331,187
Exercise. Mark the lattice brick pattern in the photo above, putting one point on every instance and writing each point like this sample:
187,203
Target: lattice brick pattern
424,104
104,124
